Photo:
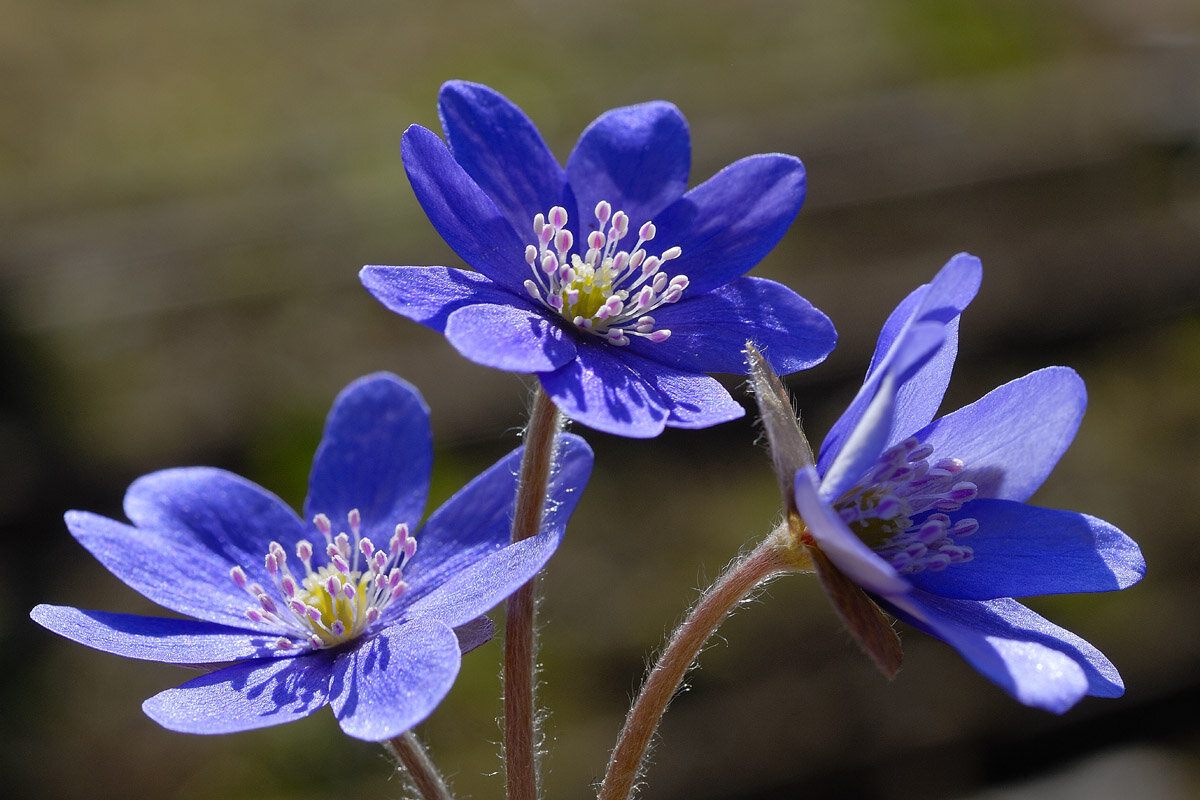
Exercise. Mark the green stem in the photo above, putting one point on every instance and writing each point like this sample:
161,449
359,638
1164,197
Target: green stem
408,750
738,581
520,717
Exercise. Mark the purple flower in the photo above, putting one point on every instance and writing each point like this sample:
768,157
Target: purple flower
351,610
929,516
608,279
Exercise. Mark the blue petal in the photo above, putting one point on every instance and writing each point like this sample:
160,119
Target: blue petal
1011,438
171,641
921,374
465,217
1031,658
637,158
429,295
215,517
499,147
603,391
848,553
245,696
375,456
394,680
874,421
728,224
509,338
1023,550
696,400
482,511
709,331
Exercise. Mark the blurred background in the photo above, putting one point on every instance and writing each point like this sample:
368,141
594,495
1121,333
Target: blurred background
187,192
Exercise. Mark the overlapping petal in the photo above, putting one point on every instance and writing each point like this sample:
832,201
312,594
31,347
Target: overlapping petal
429,295
709,331
510,338
1022,550
390,682
248,695
489,136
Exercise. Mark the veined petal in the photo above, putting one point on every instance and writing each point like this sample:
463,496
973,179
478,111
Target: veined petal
171,641
475,633
394,680
728,224
696,400
210,510
1031,658
848,553
503,152
509,338
1022,551
429,295
462,213
601,390
245,696
709,331
921,373
1011,438
376,456
637,158
464,566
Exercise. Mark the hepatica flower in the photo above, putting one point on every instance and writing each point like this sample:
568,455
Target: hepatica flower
354,608
607,278
929,516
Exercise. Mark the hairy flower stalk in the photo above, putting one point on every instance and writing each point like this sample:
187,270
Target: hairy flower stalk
774,556
520,716
411,755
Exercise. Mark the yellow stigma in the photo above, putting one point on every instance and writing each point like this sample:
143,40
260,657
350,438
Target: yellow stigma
338,612
594,287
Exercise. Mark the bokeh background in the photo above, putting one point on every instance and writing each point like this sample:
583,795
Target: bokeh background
187,191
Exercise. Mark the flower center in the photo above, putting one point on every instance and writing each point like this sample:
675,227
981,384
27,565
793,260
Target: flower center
335,602
608,292
899,509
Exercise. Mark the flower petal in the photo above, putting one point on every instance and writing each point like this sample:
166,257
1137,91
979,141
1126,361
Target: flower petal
874,427
395,679
473,587
375,456
921,373
1031,658
462,213
1011,438
429,295
848,553
696,400
245,696
213,517
1022,550
509,338
637,158
171,641
502,151
728,224
601,390
709,331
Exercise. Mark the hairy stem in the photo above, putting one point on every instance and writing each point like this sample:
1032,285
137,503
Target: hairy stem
738,581
520,716
408,750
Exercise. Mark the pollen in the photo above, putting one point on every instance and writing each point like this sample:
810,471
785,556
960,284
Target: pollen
334,602
607,292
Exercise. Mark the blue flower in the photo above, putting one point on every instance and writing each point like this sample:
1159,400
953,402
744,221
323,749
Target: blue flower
351,610
929,516
608,279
